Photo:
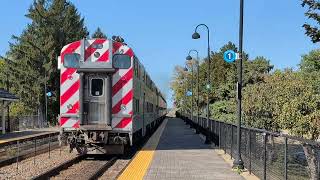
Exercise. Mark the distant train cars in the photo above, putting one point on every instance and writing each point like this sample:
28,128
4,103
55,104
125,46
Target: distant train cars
107,99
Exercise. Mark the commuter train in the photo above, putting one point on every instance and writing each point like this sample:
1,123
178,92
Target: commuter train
107,99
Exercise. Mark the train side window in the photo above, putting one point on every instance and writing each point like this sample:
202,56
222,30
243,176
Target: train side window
97,46
96,87
121,61
138,109
138,71
136,67
71,60
136,105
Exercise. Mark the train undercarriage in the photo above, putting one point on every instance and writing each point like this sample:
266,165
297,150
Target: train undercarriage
96,141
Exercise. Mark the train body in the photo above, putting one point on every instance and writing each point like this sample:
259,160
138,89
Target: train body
107,99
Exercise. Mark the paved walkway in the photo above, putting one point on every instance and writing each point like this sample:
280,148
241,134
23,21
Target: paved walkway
26,133
179,154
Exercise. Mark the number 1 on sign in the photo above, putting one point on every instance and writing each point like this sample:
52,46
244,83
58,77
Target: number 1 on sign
229,55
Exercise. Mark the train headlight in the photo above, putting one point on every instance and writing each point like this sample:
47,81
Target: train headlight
123,107
69,106
96,54
70,77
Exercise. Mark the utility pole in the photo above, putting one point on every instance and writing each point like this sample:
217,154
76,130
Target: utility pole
238,163
46,99
8,109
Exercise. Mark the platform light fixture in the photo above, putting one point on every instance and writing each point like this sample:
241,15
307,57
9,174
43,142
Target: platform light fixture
189,58
196,35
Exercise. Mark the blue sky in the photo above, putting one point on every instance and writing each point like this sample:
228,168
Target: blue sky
160,31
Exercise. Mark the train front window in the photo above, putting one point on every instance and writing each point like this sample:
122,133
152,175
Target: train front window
71,60
96,87
121,61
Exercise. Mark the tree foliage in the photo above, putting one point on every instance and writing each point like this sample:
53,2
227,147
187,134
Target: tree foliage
313,13
271,100
223,79
33,54
2,75
311,62
99,34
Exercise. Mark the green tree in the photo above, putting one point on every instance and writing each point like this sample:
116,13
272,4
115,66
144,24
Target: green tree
223,96
311,62
288,100
33,54
99,34
2,75
181,83
312,30
223,79
256,70
300,113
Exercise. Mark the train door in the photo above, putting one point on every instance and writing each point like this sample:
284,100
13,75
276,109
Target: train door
143,115
95,98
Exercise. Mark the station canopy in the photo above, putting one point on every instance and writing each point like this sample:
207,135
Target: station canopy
6,96
5,99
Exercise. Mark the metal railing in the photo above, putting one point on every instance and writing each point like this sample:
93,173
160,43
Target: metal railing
267,155
17,149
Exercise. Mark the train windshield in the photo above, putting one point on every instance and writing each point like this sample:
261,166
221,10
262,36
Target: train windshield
71,60
121,61
96,87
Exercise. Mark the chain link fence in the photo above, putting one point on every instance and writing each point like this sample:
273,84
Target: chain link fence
267,155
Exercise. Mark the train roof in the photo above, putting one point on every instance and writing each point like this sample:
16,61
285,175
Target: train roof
76,44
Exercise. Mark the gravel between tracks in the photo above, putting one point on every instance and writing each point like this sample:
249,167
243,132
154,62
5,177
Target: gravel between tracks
115,169
82,170
27,169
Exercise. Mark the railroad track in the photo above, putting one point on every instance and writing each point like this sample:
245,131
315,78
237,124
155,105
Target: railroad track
80,167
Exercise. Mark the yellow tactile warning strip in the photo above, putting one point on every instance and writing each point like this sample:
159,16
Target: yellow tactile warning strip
140,164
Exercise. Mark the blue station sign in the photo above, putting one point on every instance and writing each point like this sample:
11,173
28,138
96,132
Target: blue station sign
229,56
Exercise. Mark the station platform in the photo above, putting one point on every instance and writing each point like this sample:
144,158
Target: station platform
13,136
176,152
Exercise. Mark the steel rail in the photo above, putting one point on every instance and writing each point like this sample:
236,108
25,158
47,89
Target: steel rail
55,170
103,169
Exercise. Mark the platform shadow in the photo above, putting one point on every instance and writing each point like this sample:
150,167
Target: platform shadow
19,134
179,136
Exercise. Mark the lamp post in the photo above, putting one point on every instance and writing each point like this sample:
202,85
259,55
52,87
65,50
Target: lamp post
196,35
190,64
189,58
238,163
186,88
46,98
8,108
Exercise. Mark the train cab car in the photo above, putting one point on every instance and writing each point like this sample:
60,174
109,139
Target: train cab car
107,99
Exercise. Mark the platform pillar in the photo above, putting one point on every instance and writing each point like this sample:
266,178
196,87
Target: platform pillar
3,113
